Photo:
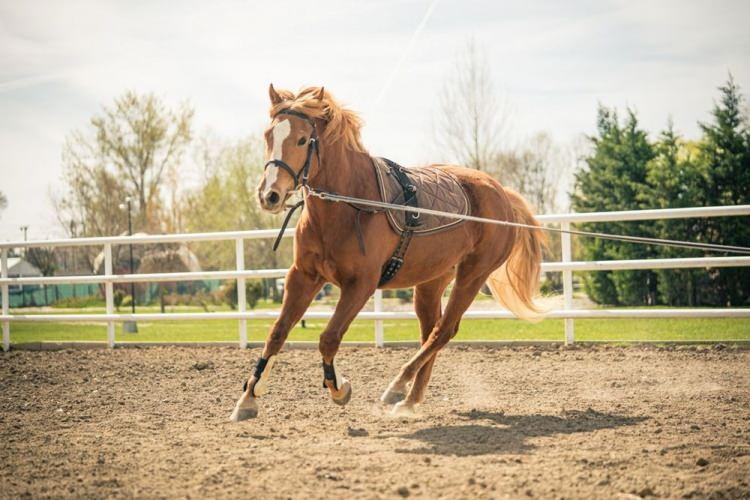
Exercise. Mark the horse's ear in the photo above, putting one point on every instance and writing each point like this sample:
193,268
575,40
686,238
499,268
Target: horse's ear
275,97
321,93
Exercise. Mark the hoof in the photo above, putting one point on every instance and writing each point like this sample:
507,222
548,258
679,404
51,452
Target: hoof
241,414
403,409
343,395
245,410
391,397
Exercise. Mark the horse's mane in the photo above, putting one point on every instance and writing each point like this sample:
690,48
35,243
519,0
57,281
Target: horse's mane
342,125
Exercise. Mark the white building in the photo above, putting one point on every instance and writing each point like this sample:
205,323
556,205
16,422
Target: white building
17,268
20,268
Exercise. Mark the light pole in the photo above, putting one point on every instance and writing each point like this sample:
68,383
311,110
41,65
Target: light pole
130,326
74,264
24,229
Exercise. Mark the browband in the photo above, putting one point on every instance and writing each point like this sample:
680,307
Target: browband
298,114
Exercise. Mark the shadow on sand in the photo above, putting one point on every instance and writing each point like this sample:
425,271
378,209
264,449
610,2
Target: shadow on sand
508,434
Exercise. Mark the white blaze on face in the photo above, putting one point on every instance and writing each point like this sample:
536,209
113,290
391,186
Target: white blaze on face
280,132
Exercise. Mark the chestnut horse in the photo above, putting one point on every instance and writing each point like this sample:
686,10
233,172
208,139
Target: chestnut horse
314,142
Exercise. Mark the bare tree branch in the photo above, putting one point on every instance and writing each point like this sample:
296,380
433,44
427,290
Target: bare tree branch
471,119
129,147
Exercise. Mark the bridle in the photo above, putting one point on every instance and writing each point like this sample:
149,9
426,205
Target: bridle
300,178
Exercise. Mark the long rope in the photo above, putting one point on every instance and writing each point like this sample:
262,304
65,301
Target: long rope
324,195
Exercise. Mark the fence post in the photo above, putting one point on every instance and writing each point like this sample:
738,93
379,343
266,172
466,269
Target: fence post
6,300
239,250
379,340
109,295
567,276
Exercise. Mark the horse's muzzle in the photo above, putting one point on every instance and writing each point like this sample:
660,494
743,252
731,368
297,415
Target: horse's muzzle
271,201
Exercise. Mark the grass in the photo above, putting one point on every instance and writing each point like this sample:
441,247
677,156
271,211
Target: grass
226,330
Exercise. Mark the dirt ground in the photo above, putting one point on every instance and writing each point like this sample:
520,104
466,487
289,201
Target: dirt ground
507,422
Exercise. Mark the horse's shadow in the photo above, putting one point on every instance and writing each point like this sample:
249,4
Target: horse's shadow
508,434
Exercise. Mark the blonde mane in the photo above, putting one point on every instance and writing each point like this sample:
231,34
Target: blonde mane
342,125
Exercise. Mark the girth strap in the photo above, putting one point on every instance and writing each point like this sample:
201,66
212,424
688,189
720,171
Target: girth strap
410,192
391,268
411,219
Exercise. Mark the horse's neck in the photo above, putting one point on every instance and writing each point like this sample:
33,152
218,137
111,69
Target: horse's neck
342,172
345,172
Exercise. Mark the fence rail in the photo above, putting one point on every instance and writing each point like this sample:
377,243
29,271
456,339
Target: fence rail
566,266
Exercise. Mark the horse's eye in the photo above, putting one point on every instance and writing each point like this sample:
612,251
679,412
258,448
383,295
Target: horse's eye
302,141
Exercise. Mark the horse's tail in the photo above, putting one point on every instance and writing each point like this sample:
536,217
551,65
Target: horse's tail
516,282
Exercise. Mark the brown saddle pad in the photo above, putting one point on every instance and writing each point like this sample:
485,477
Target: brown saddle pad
436,190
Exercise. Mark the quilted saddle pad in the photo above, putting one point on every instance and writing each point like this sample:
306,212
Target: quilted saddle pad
436,190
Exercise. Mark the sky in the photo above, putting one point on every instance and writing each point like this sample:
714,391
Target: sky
552,62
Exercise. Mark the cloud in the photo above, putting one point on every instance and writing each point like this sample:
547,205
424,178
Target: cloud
60,61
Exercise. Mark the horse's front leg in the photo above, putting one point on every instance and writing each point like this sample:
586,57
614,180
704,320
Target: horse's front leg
354,296
299,290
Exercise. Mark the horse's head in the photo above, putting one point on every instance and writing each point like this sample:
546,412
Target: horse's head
291,142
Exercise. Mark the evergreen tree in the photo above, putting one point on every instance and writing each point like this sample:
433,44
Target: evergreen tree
675,180
725,156
626,172
615,178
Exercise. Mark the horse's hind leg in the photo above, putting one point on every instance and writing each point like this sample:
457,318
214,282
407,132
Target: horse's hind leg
466,288
427,304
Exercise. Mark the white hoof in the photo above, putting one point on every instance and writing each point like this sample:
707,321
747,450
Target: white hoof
391,396
403,409
343,395
245,409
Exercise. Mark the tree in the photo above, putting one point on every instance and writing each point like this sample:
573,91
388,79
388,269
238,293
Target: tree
712,171
43,259
253,292
90,205
126,152
615,179
3,202
675,180
534,170
167,258
724,153
226,201
470,119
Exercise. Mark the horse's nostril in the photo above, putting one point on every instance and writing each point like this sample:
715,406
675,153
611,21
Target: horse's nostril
272,198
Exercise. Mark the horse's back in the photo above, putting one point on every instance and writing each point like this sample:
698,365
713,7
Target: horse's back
487,196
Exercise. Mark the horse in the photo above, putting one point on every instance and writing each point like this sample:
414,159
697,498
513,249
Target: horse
313,144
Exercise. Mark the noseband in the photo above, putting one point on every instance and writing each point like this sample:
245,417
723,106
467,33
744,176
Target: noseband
300,178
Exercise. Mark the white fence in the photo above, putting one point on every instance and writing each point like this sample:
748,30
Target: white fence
566,266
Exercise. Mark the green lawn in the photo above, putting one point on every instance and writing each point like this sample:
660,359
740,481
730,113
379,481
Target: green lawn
226,330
